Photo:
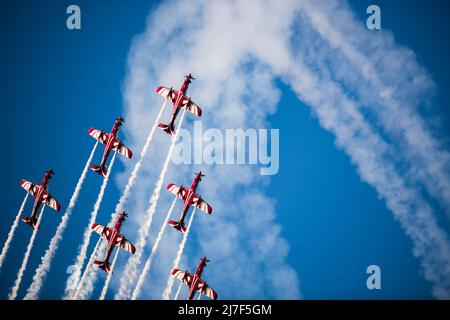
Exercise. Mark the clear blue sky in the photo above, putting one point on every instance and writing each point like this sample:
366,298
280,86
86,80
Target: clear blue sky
57,83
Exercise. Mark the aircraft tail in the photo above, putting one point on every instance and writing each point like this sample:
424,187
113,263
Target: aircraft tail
104,265
177,225
31,222
167,128
100,170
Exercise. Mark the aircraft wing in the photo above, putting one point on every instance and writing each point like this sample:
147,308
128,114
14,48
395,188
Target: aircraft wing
30,187
103,231
48,200
167,93
177,190
98,135
182,275
123,243
198,202
205,289
190,106
119,147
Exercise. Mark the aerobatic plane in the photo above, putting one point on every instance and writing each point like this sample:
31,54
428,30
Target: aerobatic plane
110,143
179,100
190,198
114,238
41,196
194,281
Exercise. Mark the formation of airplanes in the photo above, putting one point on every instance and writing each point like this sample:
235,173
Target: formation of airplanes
113,236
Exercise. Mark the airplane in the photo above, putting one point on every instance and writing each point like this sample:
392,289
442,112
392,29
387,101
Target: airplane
190,198
110,142
41,196
194,281
179,100
114,238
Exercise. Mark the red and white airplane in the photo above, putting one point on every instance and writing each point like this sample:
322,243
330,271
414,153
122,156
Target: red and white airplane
179,100
41,196
110,142
194,281
190,198
114,238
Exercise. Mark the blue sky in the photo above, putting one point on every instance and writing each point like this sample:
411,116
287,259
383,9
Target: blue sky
57,83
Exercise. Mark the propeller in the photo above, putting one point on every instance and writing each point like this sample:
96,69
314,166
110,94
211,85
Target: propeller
200,174
124,215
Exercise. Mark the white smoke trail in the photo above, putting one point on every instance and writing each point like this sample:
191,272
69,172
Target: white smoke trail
108,278
177,260
12,230
148,263
44,267
15,289
178,291
88,267
131,268
75,276
396,109
366,150
137,167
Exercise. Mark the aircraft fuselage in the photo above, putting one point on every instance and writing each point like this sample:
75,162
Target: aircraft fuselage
189,199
